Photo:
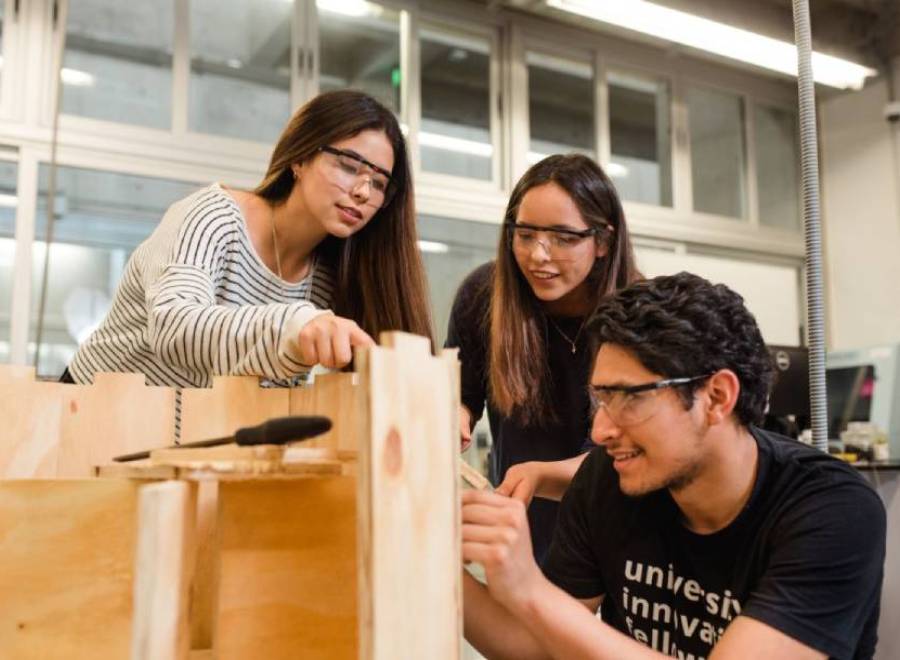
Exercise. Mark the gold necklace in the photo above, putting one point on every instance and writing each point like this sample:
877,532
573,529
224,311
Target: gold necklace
572,342
275,243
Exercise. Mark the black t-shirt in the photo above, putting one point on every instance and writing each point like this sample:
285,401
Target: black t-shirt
514,442
805,556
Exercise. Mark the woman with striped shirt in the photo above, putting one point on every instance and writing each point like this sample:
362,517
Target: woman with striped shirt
319,258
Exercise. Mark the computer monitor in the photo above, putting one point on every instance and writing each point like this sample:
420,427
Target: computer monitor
790,393
863,386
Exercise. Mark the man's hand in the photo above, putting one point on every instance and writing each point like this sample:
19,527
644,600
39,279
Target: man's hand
465,428
495,534
522,481
329,340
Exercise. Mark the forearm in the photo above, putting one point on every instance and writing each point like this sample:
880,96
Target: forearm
187,328
491,629
567,629
556,477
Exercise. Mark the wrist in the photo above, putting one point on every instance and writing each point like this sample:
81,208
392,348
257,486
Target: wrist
526,601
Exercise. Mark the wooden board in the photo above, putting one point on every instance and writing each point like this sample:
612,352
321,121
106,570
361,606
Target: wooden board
341,398
64,430
287,574
31,413
117,414
164,565
231,403
409,544
66,568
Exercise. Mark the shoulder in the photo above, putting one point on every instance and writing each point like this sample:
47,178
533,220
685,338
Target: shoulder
473,296
207,208
803,480
479,281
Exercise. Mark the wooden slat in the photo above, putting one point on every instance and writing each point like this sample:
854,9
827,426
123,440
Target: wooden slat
409,547
164,565
66,568
231,403
287,579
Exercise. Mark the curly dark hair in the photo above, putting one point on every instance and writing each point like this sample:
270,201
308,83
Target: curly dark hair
683,325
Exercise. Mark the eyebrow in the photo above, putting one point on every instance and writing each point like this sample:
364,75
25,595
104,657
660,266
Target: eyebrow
612,386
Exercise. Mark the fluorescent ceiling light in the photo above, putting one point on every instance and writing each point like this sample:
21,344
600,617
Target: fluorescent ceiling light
560,65
8,201
719,38
355,8
471,147
617,170
77,78
433,247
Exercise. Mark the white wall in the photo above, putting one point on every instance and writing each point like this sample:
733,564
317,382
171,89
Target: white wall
861,218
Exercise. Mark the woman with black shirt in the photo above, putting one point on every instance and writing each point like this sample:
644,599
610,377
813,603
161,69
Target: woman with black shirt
518,325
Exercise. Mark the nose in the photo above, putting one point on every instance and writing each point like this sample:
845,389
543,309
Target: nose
603,429
362,189
540,250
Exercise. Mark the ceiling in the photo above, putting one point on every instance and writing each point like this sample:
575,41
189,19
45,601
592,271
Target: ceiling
864,31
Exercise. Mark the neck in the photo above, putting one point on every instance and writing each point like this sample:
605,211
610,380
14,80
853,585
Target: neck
715,497
575,303
298,235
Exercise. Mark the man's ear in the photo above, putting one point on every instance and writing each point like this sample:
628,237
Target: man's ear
722,390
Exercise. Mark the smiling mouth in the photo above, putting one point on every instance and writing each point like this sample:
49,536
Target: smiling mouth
622,458
351,212
543,275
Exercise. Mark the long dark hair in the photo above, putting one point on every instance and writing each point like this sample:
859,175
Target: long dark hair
519,373
380,280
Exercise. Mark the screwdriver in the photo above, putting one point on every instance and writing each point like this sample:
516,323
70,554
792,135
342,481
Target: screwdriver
276,431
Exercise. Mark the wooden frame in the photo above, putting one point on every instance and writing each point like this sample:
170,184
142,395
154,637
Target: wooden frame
349,548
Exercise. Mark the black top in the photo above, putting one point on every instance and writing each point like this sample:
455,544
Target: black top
805,556
515,442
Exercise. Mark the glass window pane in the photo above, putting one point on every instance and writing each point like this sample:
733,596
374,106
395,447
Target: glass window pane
640,138
359,48
8,205
777,167
560,106
718,153
455,136
451,249
240,68
118,61
100,218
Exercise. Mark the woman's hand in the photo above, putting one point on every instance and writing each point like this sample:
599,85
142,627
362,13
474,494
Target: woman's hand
329,340
522,481
465,428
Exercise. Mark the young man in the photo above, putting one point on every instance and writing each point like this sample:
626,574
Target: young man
697,534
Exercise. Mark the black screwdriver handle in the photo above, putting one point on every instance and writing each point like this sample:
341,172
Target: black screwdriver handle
281,430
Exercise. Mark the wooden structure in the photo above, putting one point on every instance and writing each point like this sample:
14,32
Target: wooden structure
345,546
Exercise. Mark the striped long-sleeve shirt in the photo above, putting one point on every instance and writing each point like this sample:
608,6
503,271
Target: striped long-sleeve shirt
196,300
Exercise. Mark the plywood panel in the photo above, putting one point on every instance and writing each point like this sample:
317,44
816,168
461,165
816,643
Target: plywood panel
117,414
410,598
66,558
231,403
31,413
341,398
287,575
